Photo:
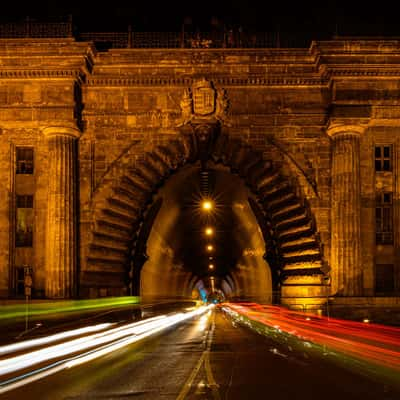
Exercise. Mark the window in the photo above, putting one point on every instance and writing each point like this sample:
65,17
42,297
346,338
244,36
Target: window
24,221
24,157
20,273
384,218
384,278
383,158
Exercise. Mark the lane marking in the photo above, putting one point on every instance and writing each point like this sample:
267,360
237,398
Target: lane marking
204,358
188,384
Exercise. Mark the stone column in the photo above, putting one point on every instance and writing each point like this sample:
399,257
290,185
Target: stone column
61,243
346,266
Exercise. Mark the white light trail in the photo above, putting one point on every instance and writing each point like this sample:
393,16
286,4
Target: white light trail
90,347
10,348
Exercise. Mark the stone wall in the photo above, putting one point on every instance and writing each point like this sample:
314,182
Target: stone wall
127,102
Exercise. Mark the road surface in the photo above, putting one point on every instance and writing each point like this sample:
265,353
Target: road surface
208,357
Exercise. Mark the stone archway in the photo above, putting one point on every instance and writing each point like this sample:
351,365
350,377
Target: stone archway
284,216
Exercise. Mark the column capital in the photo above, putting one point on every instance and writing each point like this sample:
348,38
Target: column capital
50,131
337,128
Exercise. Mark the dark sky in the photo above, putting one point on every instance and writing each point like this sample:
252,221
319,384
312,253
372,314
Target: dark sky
317,18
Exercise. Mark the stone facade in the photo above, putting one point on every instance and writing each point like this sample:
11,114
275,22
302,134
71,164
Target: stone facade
99,120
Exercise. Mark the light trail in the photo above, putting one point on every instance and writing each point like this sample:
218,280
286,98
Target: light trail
64,355
374,343
50,339
61,307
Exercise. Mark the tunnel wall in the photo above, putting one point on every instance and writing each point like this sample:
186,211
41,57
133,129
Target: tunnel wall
163,276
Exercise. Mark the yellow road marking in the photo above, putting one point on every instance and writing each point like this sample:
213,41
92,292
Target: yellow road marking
205,357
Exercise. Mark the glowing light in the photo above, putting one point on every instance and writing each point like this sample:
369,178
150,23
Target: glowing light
210,247
372,343
15,311
209,231
207,205
91,347
211,266
52,338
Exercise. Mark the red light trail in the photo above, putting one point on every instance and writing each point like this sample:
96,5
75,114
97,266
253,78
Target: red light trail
374,343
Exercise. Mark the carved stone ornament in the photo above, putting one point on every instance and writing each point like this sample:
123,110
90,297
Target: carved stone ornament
203,97
202,102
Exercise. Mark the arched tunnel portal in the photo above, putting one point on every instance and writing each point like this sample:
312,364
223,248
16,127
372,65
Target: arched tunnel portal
149,228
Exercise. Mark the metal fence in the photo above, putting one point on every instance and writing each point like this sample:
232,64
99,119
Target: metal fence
34,29
132,39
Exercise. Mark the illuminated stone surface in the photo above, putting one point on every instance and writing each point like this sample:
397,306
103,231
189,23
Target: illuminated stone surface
140,117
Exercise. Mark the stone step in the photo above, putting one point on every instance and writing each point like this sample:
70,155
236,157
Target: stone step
285,213
295,221
111,237
115,212
112,242
299,242
126,194
297,277
304,265
131,207
134,187
98,249
301,258
285,200
108,226
269,181
117,220
293,252
136,180
148,174
295,233
278,189
107,262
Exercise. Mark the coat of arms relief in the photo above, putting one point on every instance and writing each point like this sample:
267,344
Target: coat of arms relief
203,103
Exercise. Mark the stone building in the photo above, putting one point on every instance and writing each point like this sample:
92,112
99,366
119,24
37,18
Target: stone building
106,154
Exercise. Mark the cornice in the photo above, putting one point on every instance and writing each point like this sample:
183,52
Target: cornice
367,72
41,73
226,81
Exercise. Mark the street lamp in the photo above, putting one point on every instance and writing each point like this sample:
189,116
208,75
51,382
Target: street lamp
210,247
211,266
209,231
207,205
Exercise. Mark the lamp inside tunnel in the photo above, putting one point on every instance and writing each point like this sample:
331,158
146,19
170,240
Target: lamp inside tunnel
179,248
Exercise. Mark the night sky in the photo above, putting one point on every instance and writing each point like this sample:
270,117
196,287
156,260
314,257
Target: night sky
321,19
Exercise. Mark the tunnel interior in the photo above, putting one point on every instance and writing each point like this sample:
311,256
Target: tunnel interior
180,262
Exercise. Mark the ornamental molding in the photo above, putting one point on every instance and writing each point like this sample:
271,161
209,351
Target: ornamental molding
363,72
40,73
227,81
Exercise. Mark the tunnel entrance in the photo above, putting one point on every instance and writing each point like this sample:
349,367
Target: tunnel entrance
150,239
180,262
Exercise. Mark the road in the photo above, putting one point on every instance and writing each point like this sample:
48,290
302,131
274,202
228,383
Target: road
208,357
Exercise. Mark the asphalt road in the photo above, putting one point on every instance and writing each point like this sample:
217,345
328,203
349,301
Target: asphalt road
206,358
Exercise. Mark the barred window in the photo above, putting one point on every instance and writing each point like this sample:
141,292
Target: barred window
384,278
20,273
384,218
383,158
24,160
24,221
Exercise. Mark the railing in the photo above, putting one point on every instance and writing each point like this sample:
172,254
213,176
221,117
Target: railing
132,39
34,29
